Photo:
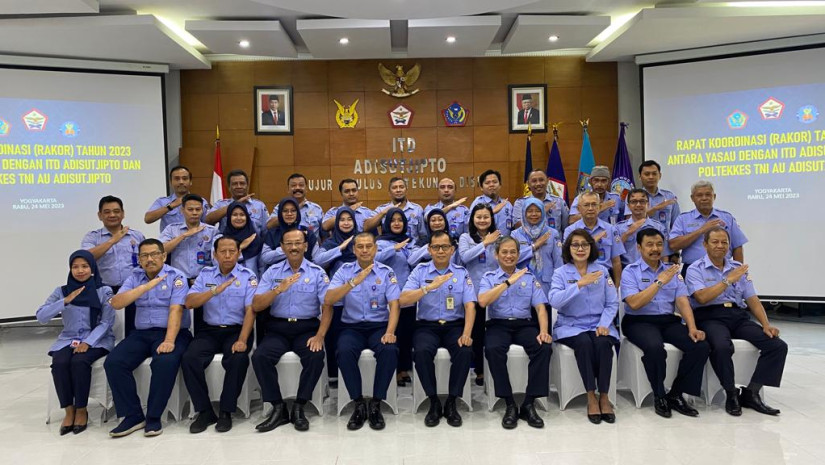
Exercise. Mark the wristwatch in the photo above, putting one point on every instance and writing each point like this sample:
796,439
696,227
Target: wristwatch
169,207
659,283
725,281
214,290
351,283
424,288
507,282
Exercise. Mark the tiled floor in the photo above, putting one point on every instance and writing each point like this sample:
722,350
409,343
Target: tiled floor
638,437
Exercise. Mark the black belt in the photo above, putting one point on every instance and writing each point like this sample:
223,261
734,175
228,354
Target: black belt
442,322
718,306
292,320
224,326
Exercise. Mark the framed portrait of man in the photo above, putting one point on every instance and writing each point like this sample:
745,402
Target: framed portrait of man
273,110
527,107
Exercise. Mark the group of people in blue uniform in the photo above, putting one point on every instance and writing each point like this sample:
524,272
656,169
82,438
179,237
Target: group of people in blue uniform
404,281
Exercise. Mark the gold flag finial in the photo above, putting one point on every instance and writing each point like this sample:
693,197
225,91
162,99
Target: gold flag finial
585,123
217,132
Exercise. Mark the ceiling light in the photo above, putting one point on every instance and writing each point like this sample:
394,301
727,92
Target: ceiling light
553,38
451,40
343,41
244,44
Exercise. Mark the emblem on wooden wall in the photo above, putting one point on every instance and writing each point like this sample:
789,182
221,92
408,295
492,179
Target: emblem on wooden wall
399,81
346,116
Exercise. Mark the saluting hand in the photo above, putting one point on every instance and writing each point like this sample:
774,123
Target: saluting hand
541,241
439,280
288,282
194,231
501,205
717,223
356,206
516,276
491,237
69,298
248,241
155,281
549,206
609,204
668,274
360,277
600,236
176,203
737,273
222,287
455,204
401,244
245,198
589,278
636,225
120,234
345,243
315,343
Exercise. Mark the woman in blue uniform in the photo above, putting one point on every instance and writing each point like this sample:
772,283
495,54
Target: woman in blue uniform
87,336
239,226
543,242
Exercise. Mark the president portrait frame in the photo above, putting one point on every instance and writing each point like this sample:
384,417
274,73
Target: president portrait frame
273,110
527,107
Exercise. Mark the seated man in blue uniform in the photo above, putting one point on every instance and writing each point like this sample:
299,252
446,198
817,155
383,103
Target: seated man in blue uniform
369,292
225,292
292,291
445,316
161,332
720,291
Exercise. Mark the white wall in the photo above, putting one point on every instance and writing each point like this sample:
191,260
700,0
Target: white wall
630,110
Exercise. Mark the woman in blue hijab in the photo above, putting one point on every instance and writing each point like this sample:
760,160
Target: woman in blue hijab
289,217
239,226
539,244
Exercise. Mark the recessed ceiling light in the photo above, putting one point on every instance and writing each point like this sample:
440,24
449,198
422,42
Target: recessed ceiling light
451,40
244,44
553,38
343,41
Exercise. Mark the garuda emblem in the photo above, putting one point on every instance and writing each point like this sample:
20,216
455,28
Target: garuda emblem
399,81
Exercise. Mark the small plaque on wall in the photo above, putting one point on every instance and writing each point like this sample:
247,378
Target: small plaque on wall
273,110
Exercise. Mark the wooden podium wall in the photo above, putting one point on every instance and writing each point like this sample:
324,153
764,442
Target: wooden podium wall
320,150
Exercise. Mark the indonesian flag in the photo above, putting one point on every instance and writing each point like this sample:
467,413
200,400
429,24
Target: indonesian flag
218,191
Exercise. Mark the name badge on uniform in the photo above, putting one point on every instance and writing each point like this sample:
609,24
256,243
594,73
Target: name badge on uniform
483,257
551,222
374,303
210,286
601,253
201,258
450,302
572,281
662,216
509,223
645,280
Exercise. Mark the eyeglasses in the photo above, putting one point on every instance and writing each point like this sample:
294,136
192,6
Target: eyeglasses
636,202
579,245
293,244
589,205
441,248
144,256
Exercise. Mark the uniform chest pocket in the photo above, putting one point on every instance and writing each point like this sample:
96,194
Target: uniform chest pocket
235,291
523,291
305,288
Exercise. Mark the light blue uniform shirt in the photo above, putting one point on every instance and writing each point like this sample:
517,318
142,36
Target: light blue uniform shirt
612,215
584,309
516,300
120,260
446,302
192,253
362,214
415,218
479,259
176,215
76,321
397,260
311,214
369,301
504,217
304,298
257,212
556,217
638,276
690,221
550,254
153,306
610,245
458,218
228,307
631,253
667,215
703,273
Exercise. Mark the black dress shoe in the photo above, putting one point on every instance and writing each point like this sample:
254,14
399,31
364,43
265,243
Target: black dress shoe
407,378
678,403
358,417
77,429
204,419
434,414
374,415
279,416
510,419
224,422
299,420
750,399
594,418
608,417
661,407
64,430
451,413
528,413
732,405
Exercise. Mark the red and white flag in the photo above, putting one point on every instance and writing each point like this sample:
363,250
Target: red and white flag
218,191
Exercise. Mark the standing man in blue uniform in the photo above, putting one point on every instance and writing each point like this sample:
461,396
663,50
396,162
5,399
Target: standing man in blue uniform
311,212
721,290
653,292
689,227
490,182
413,211
555,207
225,292
190,243
664,206
365,219
161,332
458,215
445,315
611,206
292,291
167,209
606,237
637,202
238,182
369,291
115,248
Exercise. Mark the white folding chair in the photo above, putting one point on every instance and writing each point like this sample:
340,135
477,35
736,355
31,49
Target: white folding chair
517,361
366,364
289,374
442,381
632,374
214,382
745,356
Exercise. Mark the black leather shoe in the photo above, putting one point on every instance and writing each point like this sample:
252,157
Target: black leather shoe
64,430
732,405
434,414
204,419
678,403
358,417
528,413
299,420
661,407
77,429
374,415
608,417
451,413
750,399
279,416
510,419
224,422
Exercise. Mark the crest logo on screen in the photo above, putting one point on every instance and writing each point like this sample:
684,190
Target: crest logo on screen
807,114
69,129
4,127
737,120
771,109
35,121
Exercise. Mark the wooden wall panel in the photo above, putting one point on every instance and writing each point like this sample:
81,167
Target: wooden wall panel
325,154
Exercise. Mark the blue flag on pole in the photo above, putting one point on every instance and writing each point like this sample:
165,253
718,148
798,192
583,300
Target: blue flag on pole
622,171
557,183
528,159
586,162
